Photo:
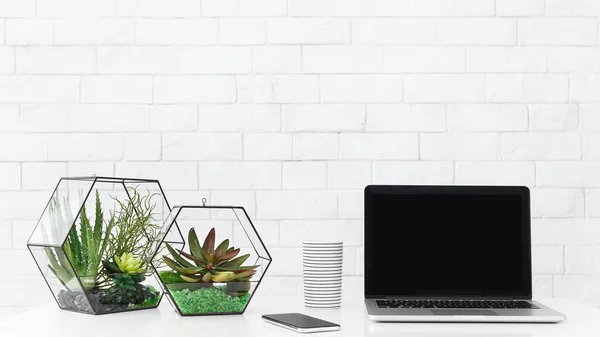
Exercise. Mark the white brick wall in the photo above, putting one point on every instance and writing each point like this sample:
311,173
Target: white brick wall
290,107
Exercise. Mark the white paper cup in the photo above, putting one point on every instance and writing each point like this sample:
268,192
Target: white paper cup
322,263
318,297
320,281
310,259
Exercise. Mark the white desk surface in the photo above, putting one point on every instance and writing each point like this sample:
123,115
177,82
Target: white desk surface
582,320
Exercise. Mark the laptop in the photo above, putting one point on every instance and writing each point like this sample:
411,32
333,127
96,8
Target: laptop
450,254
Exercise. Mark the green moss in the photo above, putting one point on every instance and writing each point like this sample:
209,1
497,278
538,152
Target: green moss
148,303
169,277
151,301
208,301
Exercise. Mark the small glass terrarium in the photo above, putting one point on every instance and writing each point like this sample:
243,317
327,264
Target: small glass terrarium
94,242
222,266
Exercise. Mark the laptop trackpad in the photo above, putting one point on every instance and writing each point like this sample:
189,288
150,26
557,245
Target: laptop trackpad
469,312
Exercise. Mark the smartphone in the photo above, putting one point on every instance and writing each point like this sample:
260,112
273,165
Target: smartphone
300,323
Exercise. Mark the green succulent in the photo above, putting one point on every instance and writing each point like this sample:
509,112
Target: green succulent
129,264
126,274
209,264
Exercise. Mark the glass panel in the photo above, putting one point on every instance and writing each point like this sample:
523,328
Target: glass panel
262,264
250,233
219,273
123,292
104,244
61,280
193,299
171,231
61,210
171,234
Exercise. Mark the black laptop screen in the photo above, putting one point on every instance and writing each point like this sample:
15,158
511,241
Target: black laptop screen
450,241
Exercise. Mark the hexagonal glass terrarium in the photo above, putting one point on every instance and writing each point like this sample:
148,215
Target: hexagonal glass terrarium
94,242
220,270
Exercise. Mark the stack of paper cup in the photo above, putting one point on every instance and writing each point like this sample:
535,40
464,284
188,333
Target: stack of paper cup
322,273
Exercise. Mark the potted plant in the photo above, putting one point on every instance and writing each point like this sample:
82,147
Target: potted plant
103,264
209,279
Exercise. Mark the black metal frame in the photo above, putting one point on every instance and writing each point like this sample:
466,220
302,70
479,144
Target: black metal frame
174,222
93,179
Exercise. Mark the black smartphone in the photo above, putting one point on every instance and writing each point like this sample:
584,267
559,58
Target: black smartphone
301,323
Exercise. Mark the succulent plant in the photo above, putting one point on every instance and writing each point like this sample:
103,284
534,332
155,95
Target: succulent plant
126,264
209,264
129,264
126,274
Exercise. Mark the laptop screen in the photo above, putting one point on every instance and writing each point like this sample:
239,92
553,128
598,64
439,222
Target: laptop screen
447,241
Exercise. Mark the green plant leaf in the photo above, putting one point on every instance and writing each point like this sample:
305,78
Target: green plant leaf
222,248
111,267
98,226
181,270
209,242
238,261
191,279
133,228
129,287
62,273
199,261
206,256
225,276
178,257
230,255
243,275
172,264
193,271
75,245
68,250
137,278
195,248
107,233
235,269
86,242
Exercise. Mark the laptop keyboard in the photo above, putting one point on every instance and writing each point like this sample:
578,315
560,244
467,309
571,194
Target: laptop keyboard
456,304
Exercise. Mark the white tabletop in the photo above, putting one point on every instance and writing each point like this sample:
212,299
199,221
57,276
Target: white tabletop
582,320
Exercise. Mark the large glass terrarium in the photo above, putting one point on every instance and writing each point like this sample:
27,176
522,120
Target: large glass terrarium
94,242
219,271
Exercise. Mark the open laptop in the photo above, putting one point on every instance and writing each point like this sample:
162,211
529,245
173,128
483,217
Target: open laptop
450,254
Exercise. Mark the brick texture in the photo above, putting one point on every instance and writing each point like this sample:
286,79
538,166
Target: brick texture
291,107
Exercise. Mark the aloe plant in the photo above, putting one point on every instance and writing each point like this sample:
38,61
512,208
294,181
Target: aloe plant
84,248
209,264
129,230
85,251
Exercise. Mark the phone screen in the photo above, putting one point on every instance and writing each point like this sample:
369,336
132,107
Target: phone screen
299,321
